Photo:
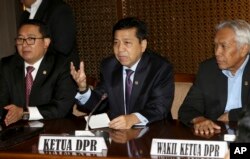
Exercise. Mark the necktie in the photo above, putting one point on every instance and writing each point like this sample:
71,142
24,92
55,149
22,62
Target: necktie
133,151
29,83
26,14
128,88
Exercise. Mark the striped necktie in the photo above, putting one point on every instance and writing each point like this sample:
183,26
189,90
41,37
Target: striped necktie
128,88
29,83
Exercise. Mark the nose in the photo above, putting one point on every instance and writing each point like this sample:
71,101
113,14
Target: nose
25,43
217,50
120,47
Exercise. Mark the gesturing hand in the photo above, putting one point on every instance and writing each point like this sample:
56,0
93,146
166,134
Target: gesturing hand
79,76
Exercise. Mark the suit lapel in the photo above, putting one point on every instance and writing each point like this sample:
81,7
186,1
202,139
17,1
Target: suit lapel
42,11
245,85
25,16
141,73
20,82
117,87
44,70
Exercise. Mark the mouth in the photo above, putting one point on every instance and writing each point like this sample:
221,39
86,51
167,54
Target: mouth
219,61
122,58
26,52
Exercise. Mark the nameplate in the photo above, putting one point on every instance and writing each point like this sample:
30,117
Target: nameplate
190,148
71,143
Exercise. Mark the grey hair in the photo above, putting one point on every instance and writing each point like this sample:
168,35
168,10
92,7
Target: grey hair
241,29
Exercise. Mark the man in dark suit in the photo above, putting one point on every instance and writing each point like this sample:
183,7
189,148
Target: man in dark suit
221,89
53,89
59,17
152,79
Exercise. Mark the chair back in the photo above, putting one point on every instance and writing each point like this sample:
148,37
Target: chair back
183,83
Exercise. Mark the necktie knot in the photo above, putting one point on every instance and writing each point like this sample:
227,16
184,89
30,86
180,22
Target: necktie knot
30,69
129,72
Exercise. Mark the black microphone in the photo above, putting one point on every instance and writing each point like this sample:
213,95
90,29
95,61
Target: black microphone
104,96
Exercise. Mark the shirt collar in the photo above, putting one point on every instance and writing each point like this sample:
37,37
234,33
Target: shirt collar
239,71
34,7
133,68
35,65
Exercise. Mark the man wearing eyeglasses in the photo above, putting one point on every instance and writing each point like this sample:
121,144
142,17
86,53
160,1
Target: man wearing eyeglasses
59,17
35,83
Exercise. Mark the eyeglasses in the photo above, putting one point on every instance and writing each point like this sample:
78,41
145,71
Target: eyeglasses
29,40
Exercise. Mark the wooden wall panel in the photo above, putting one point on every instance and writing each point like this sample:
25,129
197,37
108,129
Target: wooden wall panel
181,30
94,22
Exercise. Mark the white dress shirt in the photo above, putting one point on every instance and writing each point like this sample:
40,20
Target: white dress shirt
234,87
34,112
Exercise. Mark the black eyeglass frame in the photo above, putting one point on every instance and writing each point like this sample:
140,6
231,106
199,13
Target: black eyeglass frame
29,40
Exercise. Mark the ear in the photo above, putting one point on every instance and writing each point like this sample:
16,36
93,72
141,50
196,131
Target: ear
244,50
46,42
144,44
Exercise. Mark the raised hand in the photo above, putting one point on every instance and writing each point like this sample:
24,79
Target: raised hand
79,76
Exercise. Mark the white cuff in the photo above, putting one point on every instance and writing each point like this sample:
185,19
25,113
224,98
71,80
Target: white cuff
34,113
143,120
83,98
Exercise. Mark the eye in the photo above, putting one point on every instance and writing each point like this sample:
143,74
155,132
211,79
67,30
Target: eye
127,43
19,39
224,46
31,39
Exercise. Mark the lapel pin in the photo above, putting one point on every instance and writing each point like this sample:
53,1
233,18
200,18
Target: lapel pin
246,83
44,72
136,82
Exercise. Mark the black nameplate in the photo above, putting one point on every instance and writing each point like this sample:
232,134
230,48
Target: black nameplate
239,150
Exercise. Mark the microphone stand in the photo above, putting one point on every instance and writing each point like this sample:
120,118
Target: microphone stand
104,96
86,131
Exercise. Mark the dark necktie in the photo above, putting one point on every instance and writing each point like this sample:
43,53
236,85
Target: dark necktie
133,150
25,15
128,88
29,83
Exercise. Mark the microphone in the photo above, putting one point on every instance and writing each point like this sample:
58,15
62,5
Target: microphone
86,131
104,96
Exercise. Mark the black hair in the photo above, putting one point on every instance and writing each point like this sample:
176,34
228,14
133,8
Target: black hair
43,28
132,22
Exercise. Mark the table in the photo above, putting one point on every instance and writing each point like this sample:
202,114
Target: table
119,141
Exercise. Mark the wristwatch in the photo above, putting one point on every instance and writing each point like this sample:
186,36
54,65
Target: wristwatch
26,115
82,92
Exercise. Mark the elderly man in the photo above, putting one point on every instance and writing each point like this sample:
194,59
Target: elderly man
221,89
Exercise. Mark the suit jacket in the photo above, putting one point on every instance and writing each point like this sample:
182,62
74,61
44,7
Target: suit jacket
208,95
60,20
152,93
53,89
